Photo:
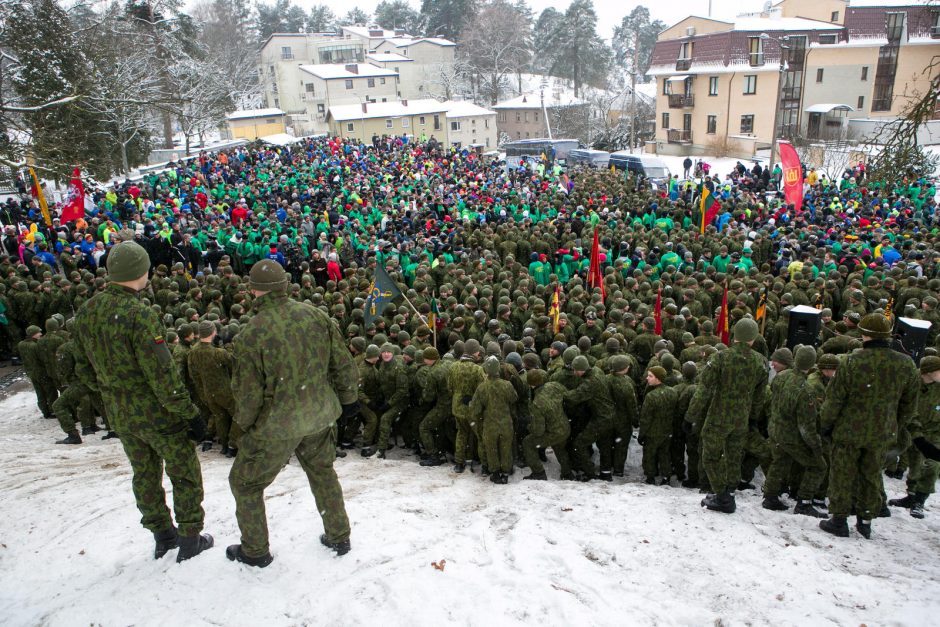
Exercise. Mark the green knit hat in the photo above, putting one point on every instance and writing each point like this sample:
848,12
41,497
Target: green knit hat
267,276
127,261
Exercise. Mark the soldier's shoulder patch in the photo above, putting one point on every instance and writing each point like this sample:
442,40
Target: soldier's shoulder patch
161,351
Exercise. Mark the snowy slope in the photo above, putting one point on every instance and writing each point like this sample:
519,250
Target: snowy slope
558,553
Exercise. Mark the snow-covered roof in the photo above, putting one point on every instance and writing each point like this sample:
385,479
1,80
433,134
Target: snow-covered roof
760,24
465,108
330,71
887,3
387,57
387,109
280,139
366,32
404,42
827,107
247,114
534,101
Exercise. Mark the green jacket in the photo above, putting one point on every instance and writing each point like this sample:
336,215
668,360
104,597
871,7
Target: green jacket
210,369
656,415
292,372
731,390
548,413
793,409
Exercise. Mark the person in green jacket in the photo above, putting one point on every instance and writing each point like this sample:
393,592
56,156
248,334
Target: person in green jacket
293,378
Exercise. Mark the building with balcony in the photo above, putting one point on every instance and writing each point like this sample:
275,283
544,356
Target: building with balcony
815,69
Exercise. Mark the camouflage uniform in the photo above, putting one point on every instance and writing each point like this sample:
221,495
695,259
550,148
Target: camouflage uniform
656,418
492,403
75,401
922,476
593,393
548,428
396,394
292,374
437,393
43,384
122,354
210,369
462,380
623,395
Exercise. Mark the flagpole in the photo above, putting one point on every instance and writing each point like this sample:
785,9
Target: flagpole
414,309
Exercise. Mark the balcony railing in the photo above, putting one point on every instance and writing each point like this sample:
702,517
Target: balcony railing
681,101
678,136
683,65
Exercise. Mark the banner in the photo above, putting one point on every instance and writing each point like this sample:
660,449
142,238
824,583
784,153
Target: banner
792,174
722,327
382,292
658,312
709,209
40,197
554,310
595,278
74,207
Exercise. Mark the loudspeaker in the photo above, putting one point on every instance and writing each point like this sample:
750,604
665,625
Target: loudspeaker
910,337
805,323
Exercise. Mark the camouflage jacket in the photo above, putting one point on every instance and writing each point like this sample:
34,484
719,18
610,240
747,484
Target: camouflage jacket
462,380
548,413
394,383
292,370
593,392
731,388
793,409
123,355
926,424
436,391
656,415
623,395
210,369
493,400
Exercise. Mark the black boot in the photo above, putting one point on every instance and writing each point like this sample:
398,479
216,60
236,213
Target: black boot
836,525
542,457
537,476
917,509
433,460
494,477
368,451
606,475
503,478
773,503
722,502
71,438
341,548
206,446
224,451
234,553
166,541
650,480
907,501
744,485
884,513
864,528
110,435
232,452
459,467
191,546
806,508
90,430
689,483
381,454
340,453
484,471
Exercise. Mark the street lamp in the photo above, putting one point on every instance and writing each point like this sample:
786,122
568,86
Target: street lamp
780,82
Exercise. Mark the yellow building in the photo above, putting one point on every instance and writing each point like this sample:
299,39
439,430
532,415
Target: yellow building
254,123
817,67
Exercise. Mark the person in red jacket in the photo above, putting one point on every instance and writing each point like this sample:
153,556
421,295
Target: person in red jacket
332,268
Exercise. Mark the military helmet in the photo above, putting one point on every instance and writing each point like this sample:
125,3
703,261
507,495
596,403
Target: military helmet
929,364
431,354
830,362
359,343
471,347
804,358
746,330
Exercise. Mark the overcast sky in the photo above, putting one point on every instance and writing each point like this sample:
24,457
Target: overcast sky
609,12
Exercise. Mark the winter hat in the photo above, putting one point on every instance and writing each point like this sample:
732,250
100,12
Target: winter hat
127,261
805,358
32,330
828,362
491,366
580,364
746,330
875,326
535,378
431,354
783,356
267,276
929,364
206,329
659,372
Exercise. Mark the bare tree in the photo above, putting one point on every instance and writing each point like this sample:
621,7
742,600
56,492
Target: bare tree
497,42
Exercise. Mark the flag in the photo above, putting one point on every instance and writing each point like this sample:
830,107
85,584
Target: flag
74,207
792,174
819,301
382,292
709,208
722,327
761,311
40,197
595,278
554,310
658,312
889,308
433,316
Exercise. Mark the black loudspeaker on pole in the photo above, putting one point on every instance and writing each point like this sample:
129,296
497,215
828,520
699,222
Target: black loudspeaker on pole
805,324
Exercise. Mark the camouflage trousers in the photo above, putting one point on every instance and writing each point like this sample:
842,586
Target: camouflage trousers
221,423
46,395
693,447
258,464
432,426
757,452
922,473
722,449
855,476
623,433
386,420
497,440
557,441
657,460
74,405
600,430
466,444
148,453
370,424
785,456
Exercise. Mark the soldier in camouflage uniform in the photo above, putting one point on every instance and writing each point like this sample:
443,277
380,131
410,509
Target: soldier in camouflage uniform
924,430
462,381
492,403
210,369
43,384
47,345
293,377
693,444
874,391
656,417
74,403
369,398
548,426
795,437
123,355
623,395
731,389
396,395
437,394
592,392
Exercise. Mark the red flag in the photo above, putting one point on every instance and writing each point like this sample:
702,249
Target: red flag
595,278
723,331
74,207
792,174
658,312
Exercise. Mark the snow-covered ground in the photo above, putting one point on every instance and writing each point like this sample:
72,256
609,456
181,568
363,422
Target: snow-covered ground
536,553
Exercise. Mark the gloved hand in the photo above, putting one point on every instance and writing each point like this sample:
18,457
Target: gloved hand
350,410
196,428
687,427
641,439
927,449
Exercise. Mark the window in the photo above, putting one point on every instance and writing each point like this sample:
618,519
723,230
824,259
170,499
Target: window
861,103
405,122
388,124
665,86
747,124
310,88
894,23
455,125
527,134
536,116
350,127
750,84
384,99
518,116
321,108
349,83
712,85
684,62
381,81
271,121
865,73
421,120
755,51
370,82
665,120
286,53
819,75
526,115
828,39
437,122
486,123
834,17
712,124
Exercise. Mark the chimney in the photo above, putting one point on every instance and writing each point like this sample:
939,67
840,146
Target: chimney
365,107
399,32
404,103
376,32
352,68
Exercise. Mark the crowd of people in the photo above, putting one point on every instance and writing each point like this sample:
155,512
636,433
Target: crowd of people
502,350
